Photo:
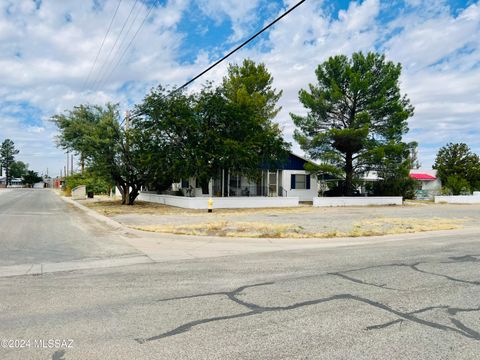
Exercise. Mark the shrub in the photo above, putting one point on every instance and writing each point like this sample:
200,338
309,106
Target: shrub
94,183
404,187
458,185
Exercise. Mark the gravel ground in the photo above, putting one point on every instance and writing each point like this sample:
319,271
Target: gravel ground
310,219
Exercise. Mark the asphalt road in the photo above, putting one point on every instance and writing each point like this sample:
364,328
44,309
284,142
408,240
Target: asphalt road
36,226
396,301
409,299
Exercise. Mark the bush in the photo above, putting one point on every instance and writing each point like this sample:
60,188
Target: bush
94,184
458,185
404,187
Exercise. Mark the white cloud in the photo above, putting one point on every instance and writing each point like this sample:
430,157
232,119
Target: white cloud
45,60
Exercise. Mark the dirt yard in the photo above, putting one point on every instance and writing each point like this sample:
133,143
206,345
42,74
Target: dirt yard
302,222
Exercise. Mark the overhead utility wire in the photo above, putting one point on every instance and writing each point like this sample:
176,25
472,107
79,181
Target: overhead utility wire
234,50
131,40
101,46
114,45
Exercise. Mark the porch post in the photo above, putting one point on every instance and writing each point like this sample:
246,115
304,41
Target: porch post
228,183
277,185
268,183
223,182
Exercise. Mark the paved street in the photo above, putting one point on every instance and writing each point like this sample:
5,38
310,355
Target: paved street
36,226
416,298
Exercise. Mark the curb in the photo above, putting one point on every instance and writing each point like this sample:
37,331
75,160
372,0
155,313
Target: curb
97,216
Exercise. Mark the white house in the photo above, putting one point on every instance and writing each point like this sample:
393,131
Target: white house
290,179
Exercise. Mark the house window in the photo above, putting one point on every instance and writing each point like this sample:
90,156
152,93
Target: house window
300,182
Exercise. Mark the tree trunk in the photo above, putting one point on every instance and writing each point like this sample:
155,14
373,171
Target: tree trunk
121,188
348,191
133,195
82,163
129,192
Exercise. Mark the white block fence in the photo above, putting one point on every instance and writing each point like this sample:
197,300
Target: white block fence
459,199
220,202
357,200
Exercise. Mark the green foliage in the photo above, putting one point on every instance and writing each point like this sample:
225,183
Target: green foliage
402,186
175,135
93,182
355,112
457,185
31,177
18,169
7,157
225,127
458,167
110,151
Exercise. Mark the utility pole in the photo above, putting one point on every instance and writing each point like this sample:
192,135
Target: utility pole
127,124
67,167
71,166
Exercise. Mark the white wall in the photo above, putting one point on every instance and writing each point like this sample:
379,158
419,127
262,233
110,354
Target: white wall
357,200
220,202
435,185
458,199
79,192
302,194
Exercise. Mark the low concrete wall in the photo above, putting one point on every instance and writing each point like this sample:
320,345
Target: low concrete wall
79,193
219,202
458,199
357,200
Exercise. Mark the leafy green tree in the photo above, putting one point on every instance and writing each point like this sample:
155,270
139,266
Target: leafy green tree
109,150
31,177
74,137
7,157
18,169
250,85
354,111
225,127
456,162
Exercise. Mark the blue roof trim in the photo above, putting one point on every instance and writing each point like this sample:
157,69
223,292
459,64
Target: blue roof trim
293,162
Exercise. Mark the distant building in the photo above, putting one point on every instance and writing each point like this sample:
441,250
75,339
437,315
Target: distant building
14,182
428,183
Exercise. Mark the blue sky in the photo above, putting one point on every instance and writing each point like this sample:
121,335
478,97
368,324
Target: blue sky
47,49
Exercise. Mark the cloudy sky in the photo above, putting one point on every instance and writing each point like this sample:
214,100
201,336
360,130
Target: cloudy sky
48,50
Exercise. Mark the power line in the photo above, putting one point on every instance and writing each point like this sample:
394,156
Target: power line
101,46
131,40
235,50
114,45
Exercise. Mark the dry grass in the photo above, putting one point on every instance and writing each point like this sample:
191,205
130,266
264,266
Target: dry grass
114,207
385,226
107,206
380,226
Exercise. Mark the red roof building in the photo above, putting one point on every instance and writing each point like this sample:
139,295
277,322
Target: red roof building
422,177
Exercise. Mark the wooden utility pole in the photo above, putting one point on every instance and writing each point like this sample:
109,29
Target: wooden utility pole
127,124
